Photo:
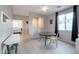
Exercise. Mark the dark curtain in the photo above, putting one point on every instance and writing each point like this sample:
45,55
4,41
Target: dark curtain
56,25
75,25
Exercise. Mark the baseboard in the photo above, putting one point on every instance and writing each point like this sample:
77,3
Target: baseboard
72,43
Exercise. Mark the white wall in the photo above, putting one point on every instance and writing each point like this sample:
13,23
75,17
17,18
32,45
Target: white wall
7,10
33,31
66,36
5,29
48,26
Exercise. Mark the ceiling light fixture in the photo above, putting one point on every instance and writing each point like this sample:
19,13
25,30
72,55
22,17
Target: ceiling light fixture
44,8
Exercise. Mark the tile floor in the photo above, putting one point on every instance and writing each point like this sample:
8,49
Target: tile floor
36,46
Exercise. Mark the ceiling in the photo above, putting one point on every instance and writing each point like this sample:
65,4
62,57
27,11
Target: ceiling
26,9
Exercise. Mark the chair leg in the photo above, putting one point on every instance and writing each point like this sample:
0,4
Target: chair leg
16,48
2,45
2,48
8,49
50,42
56,43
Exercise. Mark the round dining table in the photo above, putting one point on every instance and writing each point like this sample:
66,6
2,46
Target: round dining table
46,35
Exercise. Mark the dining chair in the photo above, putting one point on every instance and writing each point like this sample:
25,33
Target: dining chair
41,37
54,39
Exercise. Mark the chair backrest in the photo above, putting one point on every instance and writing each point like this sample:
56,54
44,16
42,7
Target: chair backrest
57,34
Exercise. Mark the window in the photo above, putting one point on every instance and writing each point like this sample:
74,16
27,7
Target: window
65,21
61,22
17,23
69,19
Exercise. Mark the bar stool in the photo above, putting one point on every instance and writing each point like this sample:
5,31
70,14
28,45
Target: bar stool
14,47
11,44
7,49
